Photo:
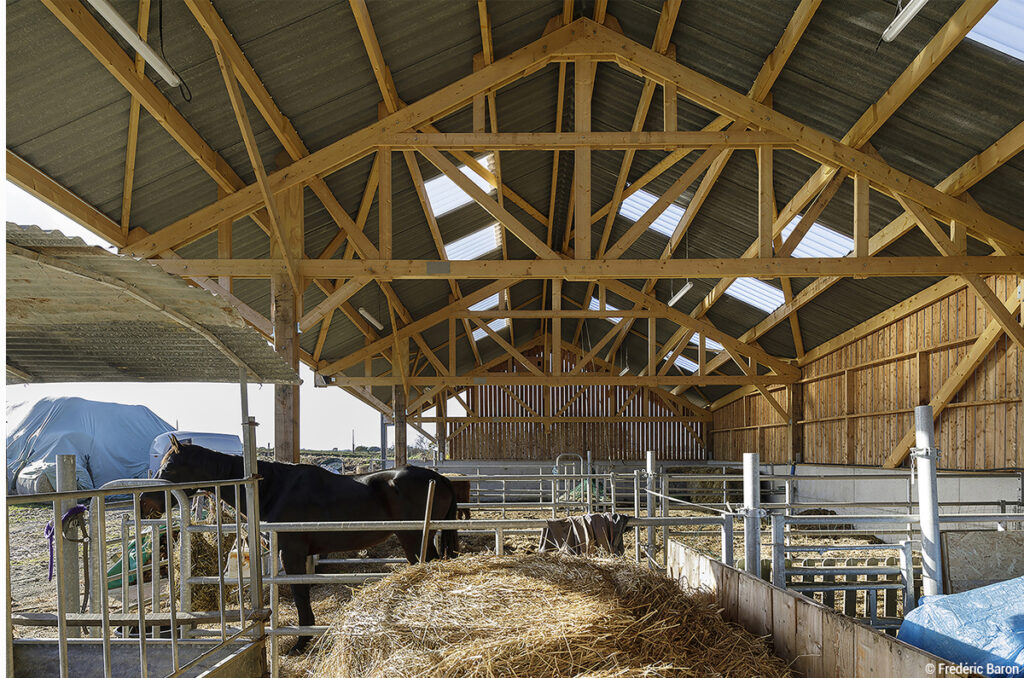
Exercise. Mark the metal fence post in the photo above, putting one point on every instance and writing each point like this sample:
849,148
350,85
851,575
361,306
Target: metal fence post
907,568
67,481
752,513
779,550
926,456
650,503
727,555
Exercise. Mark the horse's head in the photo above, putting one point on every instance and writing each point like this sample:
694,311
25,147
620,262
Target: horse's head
175,467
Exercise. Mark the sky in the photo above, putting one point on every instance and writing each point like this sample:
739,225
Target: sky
329,416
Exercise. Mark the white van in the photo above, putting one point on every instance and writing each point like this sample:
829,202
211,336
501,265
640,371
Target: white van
219,442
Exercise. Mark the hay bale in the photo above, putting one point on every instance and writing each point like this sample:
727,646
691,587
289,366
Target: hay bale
536,615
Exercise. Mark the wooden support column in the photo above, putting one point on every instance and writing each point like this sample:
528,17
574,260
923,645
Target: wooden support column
441,432
584,87
851,445
398,404
384,202
765,201
861,196
923,378
224,243
285,312
652,345
795,398
556,327
671,99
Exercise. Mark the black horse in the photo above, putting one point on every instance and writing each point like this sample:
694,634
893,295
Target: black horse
307,493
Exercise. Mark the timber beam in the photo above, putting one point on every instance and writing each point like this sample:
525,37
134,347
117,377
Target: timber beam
620,269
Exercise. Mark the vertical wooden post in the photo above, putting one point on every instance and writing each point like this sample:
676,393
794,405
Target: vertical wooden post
923,379
671,99
398,404
224,243
958,234
480,100
765,201
652,346
453,366
861,195
795,396
285,311
384,201
584,77
851,447
556,327
442,425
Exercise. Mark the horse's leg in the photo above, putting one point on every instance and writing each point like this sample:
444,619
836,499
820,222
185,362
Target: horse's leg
295,563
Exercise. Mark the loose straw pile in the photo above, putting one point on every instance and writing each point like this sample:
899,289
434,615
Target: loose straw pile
536,615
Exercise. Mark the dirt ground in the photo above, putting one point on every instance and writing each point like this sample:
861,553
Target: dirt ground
31,592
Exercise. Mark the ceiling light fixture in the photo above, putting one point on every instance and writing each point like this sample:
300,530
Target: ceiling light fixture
373,321
624,371
107,11
679,295
902,19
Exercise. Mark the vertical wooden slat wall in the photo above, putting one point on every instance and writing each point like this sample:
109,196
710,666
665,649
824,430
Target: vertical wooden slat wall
858,402
605,436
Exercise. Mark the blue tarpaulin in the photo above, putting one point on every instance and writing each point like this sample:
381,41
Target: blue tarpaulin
982,628
110,441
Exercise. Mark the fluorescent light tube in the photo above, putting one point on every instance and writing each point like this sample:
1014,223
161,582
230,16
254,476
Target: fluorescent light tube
373,321
679,295
624,371
107,11
902,19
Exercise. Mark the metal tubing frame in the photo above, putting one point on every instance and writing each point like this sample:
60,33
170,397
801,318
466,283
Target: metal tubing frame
926,455
752,513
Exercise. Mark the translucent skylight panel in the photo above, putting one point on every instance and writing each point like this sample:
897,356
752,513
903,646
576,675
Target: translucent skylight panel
684,363
474,245
710,344
498,324
756,293
445,196
637,204
595,305
819,241
1002,28
487,304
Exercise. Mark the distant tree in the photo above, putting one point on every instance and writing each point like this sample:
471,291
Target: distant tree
363,448
374,448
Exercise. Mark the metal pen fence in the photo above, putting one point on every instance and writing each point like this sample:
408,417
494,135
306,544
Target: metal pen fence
143,609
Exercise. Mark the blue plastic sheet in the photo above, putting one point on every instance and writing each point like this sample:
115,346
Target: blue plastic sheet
982,628
109,440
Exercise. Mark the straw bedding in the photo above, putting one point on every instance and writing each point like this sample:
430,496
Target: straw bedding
535,615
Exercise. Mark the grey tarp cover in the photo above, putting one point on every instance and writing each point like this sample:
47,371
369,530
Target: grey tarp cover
109,440
580,535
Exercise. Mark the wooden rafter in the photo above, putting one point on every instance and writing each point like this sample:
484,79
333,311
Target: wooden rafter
252,148
824,179
32,180
610,270
965,176
133,128
759,90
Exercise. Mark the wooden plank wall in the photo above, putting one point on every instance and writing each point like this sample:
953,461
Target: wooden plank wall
621,435
819,642
751,424
859,400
